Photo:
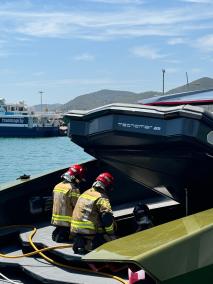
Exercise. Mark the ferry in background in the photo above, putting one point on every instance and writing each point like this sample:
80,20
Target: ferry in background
16,120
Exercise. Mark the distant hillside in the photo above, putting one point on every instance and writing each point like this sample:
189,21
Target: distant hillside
103,97
200,84
47,107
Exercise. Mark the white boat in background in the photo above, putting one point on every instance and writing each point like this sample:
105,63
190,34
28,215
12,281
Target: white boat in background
16,120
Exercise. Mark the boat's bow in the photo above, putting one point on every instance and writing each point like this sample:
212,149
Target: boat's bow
165,149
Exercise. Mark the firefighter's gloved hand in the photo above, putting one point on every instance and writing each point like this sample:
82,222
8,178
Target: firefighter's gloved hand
61,234
54,233
79,245
107,219
109,238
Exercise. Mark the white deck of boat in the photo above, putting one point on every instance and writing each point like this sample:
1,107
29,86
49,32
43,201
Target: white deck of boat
43,271
127,208
43,237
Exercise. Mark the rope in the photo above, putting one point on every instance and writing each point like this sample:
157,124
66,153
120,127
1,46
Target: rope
40,252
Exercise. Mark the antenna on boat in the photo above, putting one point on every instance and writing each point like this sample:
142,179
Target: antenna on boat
187,81
186,202
163,71
41,93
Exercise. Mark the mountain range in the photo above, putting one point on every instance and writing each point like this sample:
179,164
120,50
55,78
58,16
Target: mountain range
103,97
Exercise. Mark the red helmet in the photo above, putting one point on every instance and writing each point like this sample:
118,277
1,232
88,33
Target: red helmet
77,171
106,178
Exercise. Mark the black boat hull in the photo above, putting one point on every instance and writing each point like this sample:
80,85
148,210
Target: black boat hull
27,132
166,149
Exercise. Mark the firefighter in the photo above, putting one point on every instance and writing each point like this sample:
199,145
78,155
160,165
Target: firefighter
142,216
65,196
92,220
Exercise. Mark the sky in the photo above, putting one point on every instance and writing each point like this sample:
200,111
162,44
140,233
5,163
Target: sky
67,48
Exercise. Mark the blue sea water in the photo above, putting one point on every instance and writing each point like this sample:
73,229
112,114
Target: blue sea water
34,156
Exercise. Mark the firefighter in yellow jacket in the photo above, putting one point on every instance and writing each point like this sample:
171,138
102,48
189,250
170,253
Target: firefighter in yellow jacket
92,220
65,196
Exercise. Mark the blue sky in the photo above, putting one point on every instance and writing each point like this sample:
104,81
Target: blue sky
67,48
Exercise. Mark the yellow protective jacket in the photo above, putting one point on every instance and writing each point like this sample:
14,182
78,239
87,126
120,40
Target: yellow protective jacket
86,218
65,196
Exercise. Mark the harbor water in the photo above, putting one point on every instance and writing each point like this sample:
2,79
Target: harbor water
33,156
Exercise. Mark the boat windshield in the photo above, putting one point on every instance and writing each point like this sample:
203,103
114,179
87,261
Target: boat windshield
202,98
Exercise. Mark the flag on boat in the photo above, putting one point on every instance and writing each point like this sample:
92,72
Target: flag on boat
135,276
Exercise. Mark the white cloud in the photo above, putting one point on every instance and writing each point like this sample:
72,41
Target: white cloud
198,1
43,28
147,52
172,61
6,72
84,57
171,70
120,2
98,82
205,43
23,39
138,32
196,70
38,74
85,25
60,82
101,25
174,41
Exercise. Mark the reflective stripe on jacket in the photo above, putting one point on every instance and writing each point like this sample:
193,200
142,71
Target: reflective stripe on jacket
65,196
86,215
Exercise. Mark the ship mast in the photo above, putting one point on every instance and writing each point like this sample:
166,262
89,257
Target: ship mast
41,93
